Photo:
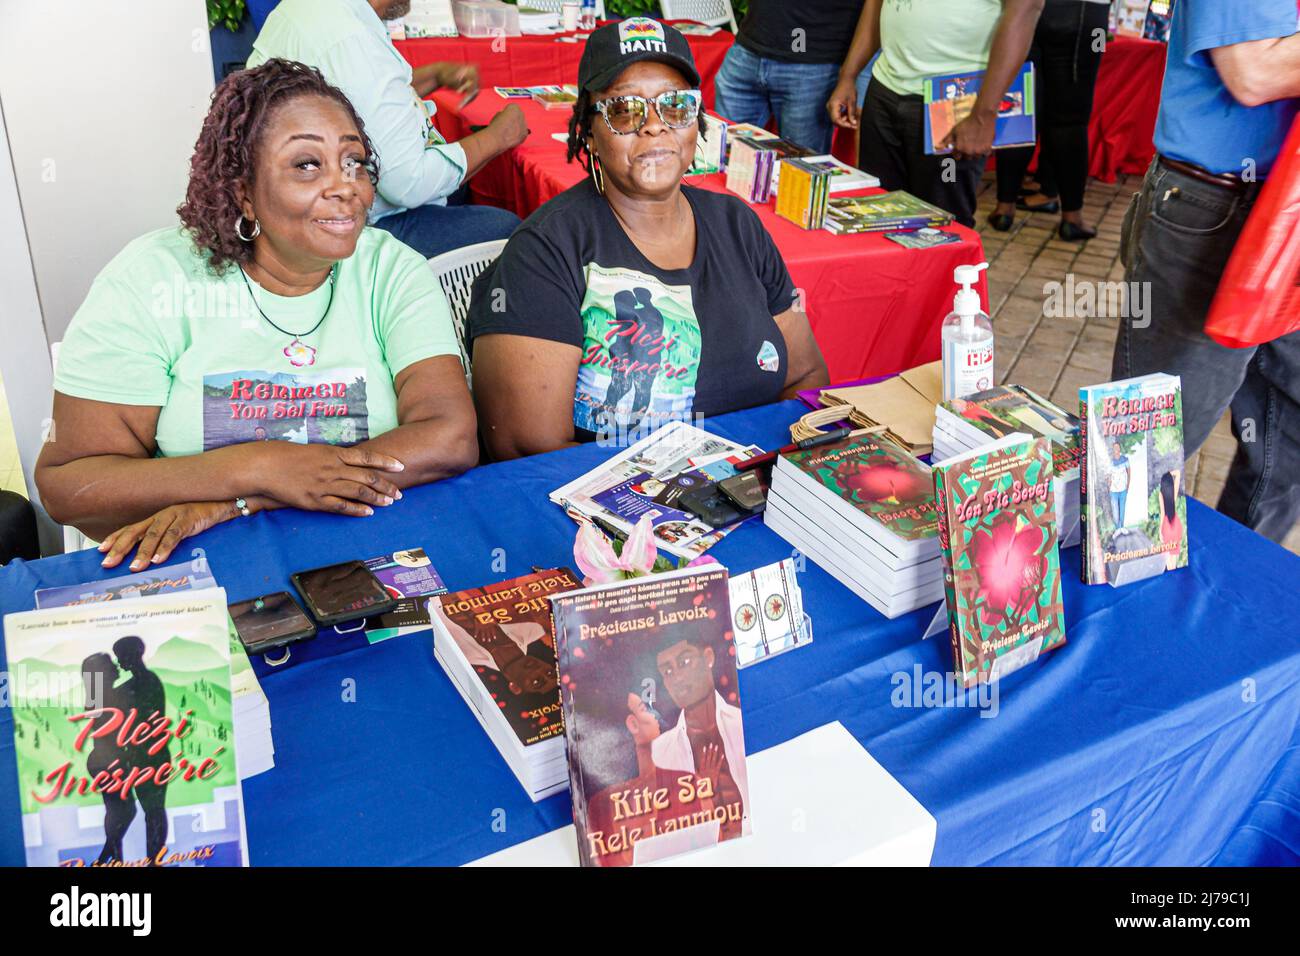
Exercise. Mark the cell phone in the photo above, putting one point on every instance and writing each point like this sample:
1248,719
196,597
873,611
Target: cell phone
342,592
270,621
746,490
711,506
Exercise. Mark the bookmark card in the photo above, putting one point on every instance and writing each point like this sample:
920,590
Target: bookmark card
767,613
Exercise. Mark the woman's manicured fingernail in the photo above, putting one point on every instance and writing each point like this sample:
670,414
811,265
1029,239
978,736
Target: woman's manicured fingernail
136,565
399,495
157,558
387,500
369,511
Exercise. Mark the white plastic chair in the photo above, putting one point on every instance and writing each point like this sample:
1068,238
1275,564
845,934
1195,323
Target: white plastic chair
73,540
456,271
557,6
715,13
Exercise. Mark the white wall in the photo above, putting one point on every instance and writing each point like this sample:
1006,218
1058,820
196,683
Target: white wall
100,105
103,102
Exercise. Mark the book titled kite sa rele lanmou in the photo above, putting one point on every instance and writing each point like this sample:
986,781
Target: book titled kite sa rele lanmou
1132,508
652,719
1002,574
124,733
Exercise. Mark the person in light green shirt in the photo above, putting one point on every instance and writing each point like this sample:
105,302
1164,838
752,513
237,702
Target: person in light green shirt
916,40
347,40
273,351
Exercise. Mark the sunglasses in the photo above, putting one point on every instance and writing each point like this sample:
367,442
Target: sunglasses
627,114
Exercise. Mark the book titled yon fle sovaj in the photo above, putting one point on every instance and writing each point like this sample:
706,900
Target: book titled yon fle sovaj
652,716
998,538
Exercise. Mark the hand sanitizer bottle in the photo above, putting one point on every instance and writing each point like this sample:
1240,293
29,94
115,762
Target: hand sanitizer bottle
967,339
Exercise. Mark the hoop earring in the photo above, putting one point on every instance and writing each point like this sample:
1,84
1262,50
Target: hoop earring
239,228
597,174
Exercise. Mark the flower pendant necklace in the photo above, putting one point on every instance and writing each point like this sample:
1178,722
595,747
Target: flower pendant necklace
298,352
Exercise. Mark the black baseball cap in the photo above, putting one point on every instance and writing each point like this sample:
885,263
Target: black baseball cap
614,47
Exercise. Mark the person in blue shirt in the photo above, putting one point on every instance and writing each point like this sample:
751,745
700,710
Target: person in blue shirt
348,42
1231,93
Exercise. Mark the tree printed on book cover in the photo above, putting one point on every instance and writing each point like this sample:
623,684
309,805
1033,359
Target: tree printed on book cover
124,733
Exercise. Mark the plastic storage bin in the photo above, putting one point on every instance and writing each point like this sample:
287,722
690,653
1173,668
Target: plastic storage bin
486,18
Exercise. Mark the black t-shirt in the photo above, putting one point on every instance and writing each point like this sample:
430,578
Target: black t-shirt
657,344
769,29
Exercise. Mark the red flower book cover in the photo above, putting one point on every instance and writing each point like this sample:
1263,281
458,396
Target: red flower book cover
656,743
1002,576
504,631
877,478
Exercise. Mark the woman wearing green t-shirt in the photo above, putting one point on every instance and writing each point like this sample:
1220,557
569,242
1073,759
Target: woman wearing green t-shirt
273,352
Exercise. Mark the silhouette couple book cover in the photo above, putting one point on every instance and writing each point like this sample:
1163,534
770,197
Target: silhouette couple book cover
124,733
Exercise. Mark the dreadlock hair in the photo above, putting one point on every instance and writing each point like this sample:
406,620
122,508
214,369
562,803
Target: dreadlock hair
226,152
580,122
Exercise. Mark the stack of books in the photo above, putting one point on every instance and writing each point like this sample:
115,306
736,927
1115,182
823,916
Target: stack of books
710,147
556,97
844,178
863,509
888,212
803,192
753,165
496,644
965,424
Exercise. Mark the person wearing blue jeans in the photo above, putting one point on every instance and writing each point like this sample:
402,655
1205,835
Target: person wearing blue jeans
1231,93
432,230
785,64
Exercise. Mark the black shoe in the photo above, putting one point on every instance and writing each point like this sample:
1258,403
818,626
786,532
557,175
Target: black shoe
1052,207
1001,223
1072,233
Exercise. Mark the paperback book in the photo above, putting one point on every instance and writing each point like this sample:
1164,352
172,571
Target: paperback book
656,744
950,98
710,147
1002,575
964,424
862,509
124,733
496,644
802,194
887,212
409,576
1134,511
251,708
556,97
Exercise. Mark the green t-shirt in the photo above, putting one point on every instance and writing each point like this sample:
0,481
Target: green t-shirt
159,328
923,38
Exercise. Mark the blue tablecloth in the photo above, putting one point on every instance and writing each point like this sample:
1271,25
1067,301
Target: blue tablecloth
1167,730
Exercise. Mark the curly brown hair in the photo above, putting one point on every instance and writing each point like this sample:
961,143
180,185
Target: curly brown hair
226,152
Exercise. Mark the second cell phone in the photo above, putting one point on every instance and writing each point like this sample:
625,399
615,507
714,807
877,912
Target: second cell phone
342,592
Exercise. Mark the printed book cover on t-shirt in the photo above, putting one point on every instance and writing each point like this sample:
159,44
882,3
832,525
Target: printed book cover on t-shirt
878,479
1132,507
124,734
503,631
656,745
1002,575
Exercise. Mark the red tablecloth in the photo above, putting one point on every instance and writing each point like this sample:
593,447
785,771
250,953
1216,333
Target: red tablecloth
874,306
1124,108
545,60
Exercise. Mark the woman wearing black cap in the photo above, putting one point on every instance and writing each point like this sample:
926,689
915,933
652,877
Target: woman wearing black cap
630,300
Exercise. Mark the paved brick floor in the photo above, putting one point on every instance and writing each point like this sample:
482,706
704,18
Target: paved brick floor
1056,355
